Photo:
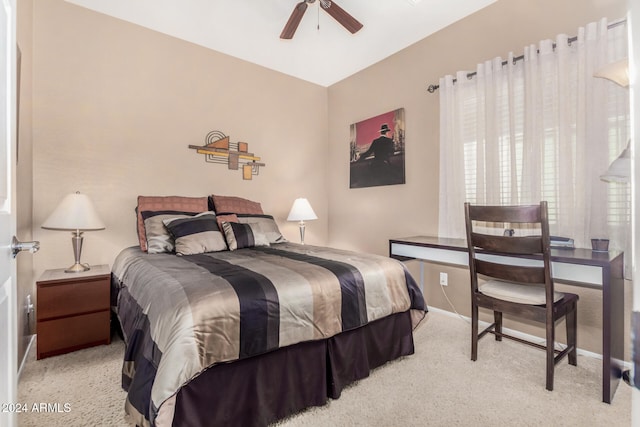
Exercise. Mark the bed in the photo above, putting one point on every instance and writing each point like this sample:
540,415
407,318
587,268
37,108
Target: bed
247,328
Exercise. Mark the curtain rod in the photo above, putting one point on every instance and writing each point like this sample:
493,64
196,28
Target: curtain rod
433,88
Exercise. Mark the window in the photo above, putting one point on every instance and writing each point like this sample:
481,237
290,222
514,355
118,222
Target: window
539,128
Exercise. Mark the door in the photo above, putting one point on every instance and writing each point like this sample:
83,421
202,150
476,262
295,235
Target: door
634,78
8,108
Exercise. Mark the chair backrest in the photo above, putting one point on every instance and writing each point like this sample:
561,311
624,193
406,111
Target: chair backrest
486,250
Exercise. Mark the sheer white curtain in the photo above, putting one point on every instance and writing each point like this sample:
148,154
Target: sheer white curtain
539,128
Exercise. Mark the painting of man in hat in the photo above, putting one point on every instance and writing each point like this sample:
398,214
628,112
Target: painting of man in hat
381,148
377,151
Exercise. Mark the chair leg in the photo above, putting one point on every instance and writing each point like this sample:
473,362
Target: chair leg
474,332
497,318
550,354
572,321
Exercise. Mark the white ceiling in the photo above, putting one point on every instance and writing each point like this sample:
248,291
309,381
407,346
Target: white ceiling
250,29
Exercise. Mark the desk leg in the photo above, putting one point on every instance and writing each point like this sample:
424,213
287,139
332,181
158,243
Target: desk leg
421,276
612,328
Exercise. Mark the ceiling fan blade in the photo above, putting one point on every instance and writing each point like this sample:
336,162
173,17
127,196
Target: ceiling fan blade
294,20
340,15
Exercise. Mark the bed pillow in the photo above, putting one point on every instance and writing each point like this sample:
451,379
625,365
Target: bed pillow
197,234
157,236
226,218
165,203
235,205
268,226
243,235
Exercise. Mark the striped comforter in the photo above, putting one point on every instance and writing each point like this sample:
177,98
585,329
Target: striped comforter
181,315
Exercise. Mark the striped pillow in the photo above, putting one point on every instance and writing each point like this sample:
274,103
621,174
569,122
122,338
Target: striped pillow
158,238
267,225
226,218
243,235
165,203
196,235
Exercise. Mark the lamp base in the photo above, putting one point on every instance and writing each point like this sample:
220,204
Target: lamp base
301,225
77,268
76,241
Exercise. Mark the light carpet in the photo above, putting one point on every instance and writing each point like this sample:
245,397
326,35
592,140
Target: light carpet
437,386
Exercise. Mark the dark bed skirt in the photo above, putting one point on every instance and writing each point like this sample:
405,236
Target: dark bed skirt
260,390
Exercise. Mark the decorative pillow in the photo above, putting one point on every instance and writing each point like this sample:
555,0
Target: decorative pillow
158,238
243,235
226,218
197,234
237,205
166,203
267,225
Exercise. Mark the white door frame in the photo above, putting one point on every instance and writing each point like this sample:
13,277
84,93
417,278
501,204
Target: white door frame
8,283
634,80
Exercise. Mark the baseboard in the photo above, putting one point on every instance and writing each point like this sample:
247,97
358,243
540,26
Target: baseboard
518,334
26,355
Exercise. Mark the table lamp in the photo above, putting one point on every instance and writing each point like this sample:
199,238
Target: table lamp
301,211
77,214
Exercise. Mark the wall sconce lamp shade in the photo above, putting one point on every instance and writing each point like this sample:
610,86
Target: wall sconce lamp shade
301,211
620,169
617,72
77,214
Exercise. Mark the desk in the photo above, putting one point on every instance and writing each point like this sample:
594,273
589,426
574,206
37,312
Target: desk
577,267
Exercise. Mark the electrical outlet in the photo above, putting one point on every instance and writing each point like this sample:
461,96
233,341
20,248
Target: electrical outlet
444,279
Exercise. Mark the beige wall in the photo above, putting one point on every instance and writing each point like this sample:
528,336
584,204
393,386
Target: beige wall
116,106
366,218
24,176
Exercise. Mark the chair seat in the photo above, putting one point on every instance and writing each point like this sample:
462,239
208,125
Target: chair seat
518,293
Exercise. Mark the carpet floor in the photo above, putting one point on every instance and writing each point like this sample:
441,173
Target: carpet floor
437,386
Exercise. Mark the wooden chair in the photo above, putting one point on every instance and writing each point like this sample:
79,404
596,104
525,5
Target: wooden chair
523,290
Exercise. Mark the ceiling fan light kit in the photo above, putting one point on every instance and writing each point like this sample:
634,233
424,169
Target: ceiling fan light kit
339,14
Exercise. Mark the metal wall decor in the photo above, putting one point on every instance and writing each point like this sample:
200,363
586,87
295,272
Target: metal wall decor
218,149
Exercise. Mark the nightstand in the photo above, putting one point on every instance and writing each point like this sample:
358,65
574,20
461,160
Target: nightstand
73,310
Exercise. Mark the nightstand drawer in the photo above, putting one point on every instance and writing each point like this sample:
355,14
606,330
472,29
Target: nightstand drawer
73,333
74,297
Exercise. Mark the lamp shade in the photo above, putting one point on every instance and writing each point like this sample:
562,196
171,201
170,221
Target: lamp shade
75,212
617,72
620,169
301,211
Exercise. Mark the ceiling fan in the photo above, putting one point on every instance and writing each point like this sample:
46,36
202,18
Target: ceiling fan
339,14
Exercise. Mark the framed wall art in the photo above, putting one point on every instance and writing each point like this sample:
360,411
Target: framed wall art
377,150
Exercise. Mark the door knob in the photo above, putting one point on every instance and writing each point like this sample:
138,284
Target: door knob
17,246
